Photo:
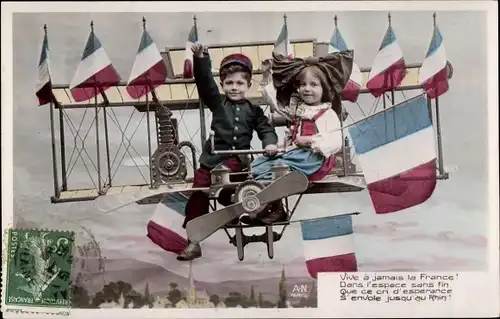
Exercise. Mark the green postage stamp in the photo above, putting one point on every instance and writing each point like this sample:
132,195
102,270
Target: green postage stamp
38,268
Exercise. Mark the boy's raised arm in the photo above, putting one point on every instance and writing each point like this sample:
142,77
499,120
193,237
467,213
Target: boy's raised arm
207,88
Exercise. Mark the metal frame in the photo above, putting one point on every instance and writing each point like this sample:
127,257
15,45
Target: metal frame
239,239
221,180
192,104
269,237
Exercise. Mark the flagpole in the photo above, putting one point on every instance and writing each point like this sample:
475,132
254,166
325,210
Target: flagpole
383,111
391,78
344,138
286,40
306,220
64,185
392,89
106,134
148,110
97,138
151,87
162,108
201,108
57,191
439,138
99,189
386,75
438,124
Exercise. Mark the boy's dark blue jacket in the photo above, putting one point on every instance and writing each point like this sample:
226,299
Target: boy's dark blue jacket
232,122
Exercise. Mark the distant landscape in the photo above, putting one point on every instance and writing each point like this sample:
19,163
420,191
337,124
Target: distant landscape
159,280
92,272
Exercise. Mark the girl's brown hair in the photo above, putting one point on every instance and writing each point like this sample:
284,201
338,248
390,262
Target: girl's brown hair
329,95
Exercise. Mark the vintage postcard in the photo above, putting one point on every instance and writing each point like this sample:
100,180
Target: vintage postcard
250,159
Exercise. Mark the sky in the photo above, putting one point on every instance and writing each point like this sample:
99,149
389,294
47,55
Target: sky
448,232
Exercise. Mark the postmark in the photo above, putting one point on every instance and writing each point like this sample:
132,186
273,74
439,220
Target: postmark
38,267
88,262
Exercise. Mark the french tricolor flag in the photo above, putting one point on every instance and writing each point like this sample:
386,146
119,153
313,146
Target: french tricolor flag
351,90
282,45
165,226
389,68
396,151
329,245
433,73
188,60
149,70
43,89
95,73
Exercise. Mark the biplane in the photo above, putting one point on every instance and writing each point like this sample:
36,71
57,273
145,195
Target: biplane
168,164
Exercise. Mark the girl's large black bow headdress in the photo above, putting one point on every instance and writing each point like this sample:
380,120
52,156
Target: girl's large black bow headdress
337,68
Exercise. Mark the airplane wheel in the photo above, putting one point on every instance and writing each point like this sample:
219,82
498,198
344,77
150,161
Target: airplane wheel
239,243
270,241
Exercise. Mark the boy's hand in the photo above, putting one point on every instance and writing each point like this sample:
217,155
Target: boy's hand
303,141
271,150
198,49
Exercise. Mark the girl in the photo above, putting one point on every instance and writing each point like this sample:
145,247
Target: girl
308,93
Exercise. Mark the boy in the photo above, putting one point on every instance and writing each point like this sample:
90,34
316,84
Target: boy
234,119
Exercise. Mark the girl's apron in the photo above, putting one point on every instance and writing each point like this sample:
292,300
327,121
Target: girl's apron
314,165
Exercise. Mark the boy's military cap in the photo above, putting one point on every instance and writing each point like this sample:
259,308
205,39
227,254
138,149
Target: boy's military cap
239,59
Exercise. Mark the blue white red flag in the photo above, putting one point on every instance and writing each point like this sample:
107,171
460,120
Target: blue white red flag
95,73
433,73
351,90
165,226
282,45
389,68
188,60
329,245
396,150
43,89
149,70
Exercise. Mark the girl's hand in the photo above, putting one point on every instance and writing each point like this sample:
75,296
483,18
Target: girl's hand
303,141
266,66
198,49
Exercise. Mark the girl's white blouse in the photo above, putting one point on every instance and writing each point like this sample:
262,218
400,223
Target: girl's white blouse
328,140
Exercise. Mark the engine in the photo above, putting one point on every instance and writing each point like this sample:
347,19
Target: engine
169,163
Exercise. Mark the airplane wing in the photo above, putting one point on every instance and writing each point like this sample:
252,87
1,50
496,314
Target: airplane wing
109,203
358,181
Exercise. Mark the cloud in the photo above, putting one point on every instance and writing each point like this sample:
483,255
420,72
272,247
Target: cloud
385,229
447,237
